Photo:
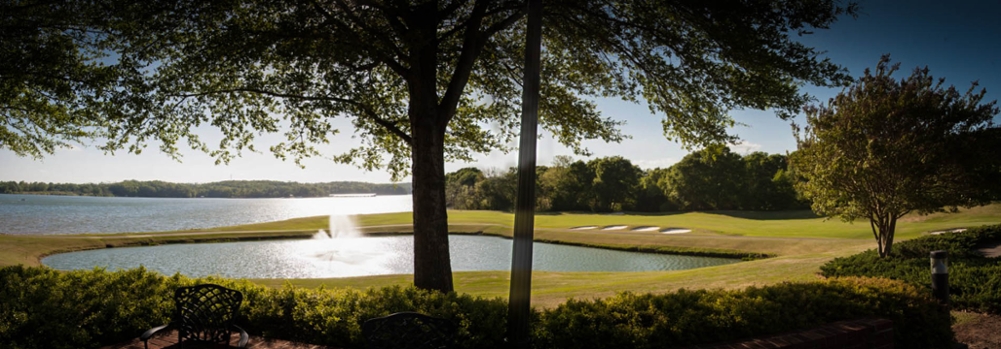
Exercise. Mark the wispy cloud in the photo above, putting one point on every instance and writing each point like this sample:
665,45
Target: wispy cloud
647,164
745,147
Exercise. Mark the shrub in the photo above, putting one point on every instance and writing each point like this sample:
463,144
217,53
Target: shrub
695,317
974,281
43,308
333,317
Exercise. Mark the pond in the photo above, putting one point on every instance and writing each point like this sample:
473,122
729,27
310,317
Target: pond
360,256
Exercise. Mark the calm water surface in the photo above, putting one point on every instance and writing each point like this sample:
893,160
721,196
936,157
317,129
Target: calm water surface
343,257
311,258
44,214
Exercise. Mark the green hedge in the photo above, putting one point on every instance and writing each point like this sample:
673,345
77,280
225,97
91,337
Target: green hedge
695,317
333,317
42,308
974,281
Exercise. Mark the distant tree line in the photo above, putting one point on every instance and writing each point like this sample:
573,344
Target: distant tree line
224,189
710,179
714,178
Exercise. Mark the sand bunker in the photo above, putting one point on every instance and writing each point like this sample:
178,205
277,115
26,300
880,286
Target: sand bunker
675,231
639,228
960,230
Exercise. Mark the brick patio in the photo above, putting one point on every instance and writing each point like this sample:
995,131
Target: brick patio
168,340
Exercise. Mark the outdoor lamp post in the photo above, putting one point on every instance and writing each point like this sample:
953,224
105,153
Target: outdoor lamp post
940,275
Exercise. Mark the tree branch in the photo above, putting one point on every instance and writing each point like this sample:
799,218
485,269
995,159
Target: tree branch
457,27
471,48
451,8
366,110
505,23
389,61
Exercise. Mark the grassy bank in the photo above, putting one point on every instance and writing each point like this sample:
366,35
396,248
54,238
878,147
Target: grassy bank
795,224
799,241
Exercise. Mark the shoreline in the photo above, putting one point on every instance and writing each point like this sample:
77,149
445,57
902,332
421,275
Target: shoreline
72,194
122,240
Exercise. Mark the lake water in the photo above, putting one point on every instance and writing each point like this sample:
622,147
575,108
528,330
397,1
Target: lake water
42,214
343,257
310,258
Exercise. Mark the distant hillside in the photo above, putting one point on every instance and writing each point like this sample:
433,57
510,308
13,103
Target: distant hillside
224,189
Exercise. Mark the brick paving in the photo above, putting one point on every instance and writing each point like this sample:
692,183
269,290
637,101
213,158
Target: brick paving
168,340
853,334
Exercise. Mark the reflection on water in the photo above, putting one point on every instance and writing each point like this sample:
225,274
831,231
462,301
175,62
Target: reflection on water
343,257
40,214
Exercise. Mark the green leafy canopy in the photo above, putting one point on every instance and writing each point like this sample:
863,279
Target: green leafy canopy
54,90
249,67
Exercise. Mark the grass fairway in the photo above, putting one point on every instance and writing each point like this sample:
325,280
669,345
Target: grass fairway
799,241
796,224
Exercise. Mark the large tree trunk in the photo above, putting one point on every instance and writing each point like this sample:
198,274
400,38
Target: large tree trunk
432,264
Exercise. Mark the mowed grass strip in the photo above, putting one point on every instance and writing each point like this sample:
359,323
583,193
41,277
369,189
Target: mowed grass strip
29,249
795,224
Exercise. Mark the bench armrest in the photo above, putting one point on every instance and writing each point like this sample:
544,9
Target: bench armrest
243,337
149,334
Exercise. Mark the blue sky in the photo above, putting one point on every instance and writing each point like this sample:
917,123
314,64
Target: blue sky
958,40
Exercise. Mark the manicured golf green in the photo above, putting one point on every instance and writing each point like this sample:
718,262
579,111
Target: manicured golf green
798,241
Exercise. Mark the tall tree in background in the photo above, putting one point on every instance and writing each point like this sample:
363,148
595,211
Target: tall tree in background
765,186
425,82
614,185
651,194
570,182
883,148
498,189
460,188
708,179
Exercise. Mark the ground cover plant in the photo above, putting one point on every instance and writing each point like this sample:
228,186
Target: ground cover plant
44,308
974,280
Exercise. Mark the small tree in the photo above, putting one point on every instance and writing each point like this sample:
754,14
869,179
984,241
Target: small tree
883,148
